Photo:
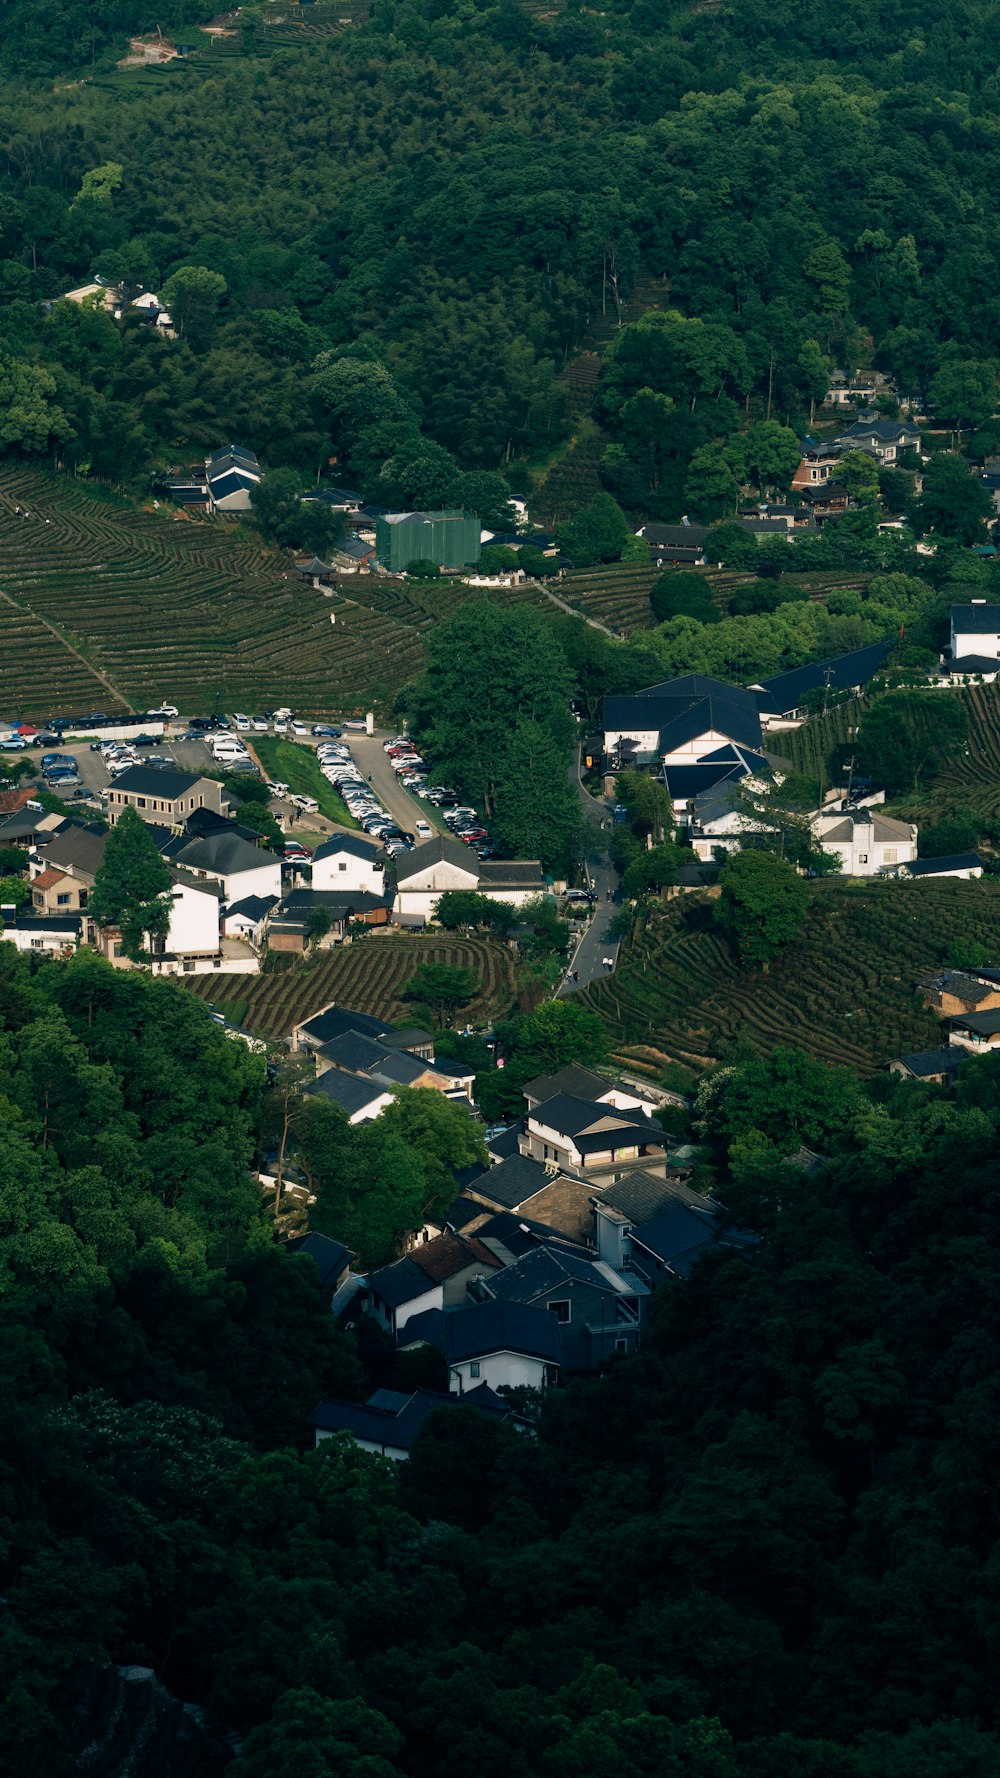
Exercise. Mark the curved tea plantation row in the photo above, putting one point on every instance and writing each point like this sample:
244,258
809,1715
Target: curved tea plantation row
844,991
369,975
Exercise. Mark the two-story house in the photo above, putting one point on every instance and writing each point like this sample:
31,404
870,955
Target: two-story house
349,864
598,1310
594,1140
443,864
162,796
679,722
506,1345
975,637
867,842
226,857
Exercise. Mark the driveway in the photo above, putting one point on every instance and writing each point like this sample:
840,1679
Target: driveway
587,963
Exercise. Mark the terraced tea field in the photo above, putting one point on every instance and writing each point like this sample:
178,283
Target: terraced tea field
844,991
104,606
616,594
369,976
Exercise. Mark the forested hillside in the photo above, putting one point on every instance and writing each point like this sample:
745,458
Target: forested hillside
765,1547
457,194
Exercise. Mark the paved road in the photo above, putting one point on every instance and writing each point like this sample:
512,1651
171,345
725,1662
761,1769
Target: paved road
375,763
595,945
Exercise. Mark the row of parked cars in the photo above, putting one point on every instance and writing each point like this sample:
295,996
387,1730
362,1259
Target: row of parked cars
340,769
411,771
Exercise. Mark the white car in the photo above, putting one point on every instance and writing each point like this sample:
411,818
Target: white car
258,724
299,728
277,788
423,830
242,722
280,726
167,711
307,804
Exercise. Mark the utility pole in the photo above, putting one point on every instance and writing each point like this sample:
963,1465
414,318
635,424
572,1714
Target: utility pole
826,692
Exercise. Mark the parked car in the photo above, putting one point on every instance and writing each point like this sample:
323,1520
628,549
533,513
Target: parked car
355,725
258,724
242,722
307,804
166,711
324,728
276,787
13,744
423,830
298,728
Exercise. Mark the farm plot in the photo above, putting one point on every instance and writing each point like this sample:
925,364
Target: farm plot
616,594
39,674
167,606
844,991
369,976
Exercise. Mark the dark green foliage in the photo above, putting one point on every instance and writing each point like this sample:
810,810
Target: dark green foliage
683,595
132,887
763,905
907,736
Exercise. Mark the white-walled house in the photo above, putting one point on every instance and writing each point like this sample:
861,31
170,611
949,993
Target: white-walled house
867,842
193,939
350,864
680,721
440,865
506,1345
398,1291
223,856
975,634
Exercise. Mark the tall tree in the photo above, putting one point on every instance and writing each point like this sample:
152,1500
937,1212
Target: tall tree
132,888
763,904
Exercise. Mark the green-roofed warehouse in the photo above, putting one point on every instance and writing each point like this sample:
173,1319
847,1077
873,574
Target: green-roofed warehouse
451,539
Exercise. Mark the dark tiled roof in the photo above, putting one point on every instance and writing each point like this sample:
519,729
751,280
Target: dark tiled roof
507,1142
400,1283
639,1196
675,1234
525,873
253,907
785,691
347,842
222,852
350,1091
684,708
580,1083
975,663
382,1421
936,867
334,1020
975,619
81,847
924,1063
574,1117
437,851
981,1024
547,1268
330,1256
482,1328
160,782
355,1051
512,1182
665,536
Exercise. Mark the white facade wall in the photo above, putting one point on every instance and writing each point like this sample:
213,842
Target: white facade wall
194,921
345,872
368,1112
862,855
501,1370
260,879
982,642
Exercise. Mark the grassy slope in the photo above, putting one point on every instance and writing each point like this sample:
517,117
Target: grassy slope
290,763
844,991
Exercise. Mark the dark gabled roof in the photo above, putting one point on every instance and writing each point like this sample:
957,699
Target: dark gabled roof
675,1235
220,851
482,1328
29,922
159,781
233,453
330,1256
354,1051
437,851
232,482
519,873
982,1024
678,553
399,1068
546,1268
508,1141
81,847
352,1092
938,867
886,431
354,843
253,907
383,1421
785,691
974,663
579,1083
664,536
575,1117
511,1182
816,494
340,903
686,707
639,1196
924,1063
974,619
402,1282
326,1025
